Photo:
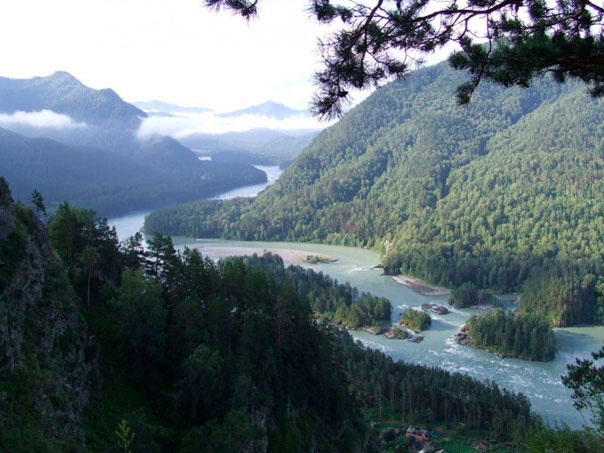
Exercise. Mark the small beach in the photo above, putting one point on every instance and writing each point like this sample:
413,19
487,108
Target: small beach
288,256
421,287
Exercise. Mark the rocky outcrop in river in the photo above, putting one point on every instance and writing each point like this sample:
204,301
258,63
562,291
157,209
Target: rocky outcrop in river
435,308
396,333
462,337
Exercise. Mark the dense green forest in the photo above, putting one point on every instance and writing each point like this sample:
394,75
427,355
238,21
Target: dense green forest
192,355
415,319
513,335
328,299
467,295
486,193
564,295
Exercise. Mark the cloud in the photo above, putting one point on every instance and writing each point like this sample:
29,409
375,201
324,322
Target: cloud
42,119
210,123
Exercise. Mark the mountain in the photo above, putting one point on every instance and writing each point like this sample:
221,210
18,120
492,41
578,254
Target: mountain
269,109
99,163
102,119
159,106
505,193
63,93
167,154
158,173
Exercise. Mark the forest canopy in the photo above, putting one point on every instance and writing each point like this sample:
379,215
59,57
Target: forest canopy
510,335
192,355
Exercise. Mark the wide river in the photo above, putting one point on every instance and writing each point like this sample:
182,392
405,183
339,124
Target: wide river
540,382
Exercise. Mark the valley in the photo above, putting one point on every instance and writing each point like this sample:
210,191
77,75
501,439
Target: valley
305,226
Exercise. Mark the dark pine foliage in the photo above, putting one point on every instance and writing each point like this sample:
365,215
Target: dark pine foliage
586,380
432,395
415,319
513,335
468,295
328,299
504,41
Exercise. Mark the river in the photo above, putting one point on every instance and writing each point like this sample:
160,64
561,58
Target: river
129,224
540,382
272,174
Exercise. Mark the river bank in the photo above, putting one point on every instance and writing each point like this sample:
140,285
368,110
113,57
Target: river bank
421,287
287,255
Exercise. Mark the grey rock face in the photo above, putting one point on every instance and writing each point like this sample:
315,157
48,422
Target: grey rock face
41,331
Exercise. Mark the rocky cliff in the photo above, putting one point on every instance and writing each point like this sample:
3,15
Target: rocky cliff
46,357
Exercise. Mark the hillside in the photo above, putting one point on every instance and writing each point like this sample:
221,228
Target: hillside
77,144
63,93
158,173
47,361
491,193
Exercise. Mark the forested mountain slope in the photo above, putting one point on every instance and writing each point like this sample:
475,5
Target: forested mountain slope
157,173
63,93
488,193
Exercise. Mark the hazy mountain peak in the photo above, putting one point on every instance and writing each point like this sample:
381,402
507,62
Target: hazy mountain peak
63,76
111,94
270,109
165,107
272,104
62,93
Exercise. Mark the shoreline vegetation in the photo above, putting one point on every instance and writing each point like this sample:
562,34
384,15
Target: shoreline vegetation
509,335
468,295
380,328
421,287
339,303
287,255
415,320
318,259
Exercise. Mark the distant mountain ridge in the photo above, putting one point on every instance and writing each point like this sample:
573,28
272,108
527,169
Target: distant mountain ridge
261,145
160,172
159,106
268,109
63,93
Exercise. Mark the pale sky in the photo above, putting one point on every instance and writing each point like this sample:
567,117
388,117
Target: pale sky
173,50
